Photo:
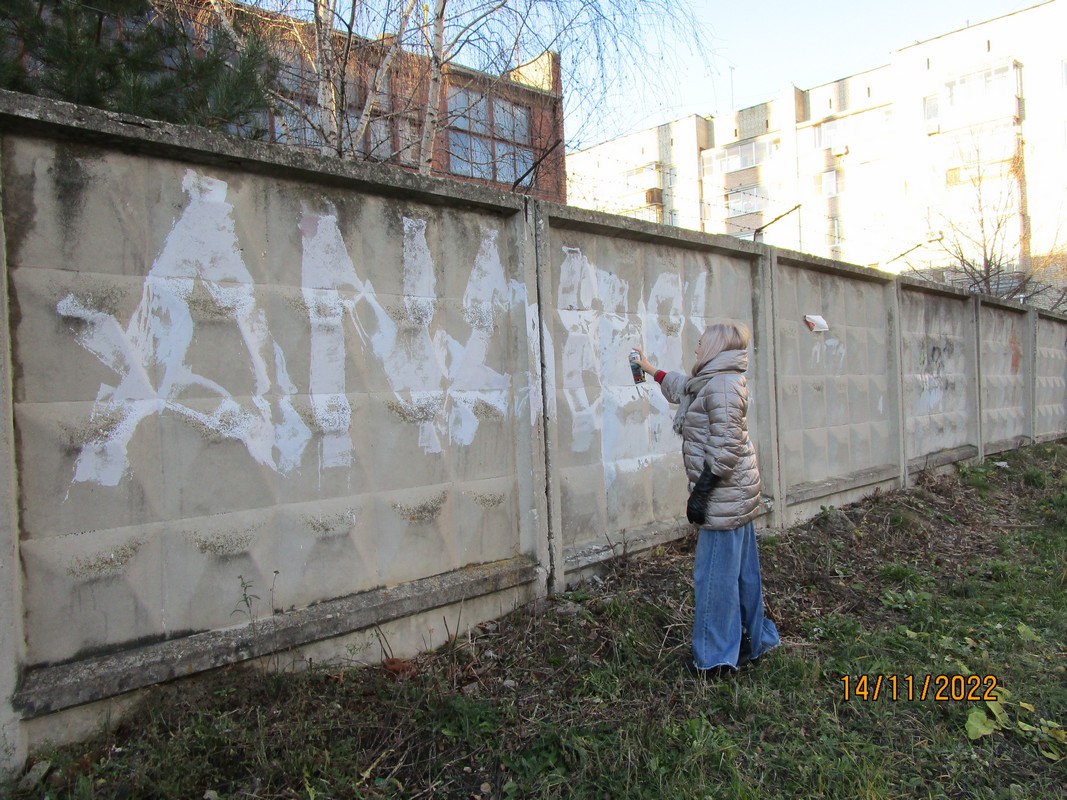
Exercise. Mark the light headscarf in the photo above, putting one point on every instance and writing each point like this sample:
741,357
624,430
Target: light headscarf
717,338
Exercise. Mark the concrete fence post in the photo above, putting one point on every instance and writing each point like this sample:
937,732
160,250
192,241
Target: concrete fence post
531,459
12,740
780,516
767,366
895,336
555,565
976,312
1031,375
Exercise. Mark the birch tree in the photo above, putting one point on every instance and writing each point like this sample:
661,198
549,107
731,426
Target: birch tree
348,49
983,242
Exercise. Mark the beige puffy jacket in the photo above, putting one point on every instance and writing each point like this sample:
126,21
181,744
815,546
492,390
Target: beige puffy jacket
715,431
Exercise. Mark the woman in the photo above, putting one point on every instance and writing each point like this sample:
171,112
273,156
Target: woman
729,628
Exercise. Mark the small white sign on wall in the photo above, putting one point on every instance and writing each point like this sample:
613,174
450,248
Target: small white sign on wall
815,323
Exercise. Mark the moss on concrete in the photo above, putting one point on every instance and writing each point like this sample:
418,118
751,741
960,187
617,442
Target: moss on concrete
422,512
105,564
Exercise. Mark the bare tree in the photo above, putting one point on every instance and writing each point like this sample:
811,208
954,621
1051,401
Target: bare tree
983,244
352,66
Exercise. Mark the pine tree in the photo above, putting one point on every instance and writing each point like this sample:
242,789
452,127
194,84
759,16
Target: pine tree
136,57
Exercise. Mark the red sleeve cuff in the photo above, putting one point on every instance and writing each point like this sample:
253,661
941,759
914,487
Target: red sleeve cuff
660,375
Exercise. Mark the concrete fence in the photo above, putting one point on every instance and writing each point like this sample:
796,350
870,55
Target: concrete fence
256,402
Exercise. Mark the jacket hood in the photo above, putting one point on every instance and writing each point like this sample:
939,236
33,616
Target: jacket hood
727,361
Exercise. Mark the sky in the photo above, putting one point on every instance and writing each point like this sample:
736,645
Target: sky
757,51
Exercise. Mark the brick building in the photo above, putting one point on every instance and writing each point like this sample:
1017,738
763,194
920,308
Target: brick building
503,131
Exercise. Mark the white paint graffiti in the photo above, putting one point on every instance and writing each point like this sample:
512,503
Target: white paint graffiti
595,381
445,381
438,379
830,353
202,247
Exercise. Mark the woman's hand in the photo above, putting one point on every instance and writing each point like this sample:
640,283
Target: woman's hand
643,362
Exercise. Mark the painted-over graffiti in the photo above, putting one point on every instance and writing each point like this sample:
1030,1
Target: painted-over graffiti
439,379
599,327
933,379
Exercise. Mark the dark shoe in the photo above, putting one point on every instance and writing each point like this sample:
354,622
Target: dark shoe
744,656
712,674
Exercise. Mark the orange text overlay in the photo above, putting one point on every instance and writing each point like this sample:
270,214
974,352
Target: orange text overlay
939,688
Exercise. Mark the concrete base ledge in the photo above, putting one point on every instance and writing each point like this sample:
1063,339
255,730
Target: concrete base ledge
1014,443
1045,438
45,690
814,490
942,458
578,557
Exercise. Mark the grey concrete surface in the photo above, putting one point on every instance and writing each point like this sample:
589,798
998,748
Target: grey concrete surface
1006,364
1050,377
48,689
13,740
234,370
940,373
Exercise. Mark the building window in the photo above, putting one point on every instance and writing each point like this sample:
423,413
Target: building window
383,97
293,125
745,201
830,183
980,94
410,141
256,126
376,140
748,154
513,162
931,113
828,135
985,145
647,176
489,139
468,111
511,122
470,156
379,139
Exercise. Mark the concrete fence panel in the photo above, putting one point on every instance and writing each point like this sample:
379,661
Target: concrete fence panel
939,363
1050,395
1005,359
253,400
838,404
618,476
288,386
274,394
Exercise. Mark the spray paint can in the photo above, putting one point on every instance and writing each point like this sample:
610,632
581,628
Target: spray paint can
638,373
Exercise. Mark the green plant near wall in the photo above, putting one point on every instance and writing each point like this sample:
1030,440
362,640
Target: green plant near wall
135,57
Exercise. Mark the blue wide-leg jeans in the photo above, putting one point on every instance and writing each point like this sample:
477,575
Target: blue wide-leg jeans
729,598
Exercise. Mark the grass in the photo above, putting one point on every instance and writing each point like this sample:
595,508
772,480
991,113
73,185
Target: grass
583,696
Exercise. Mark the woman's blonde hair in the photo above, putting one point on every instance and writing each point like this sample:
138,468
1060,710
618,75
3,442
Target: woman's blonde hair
718,337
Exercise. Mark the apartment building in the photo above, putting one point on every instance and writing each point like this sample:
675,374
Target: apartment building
654,174
960,138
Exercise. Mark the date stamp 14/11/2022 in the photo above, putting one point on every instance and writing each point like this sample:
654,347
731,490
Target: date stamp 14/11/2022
937,687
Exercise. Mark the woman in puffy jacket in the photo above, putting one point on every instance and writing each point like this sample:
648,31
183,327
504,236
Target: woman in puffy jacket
729,628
